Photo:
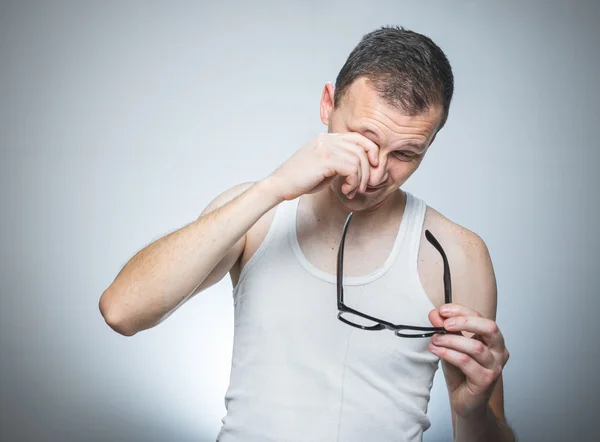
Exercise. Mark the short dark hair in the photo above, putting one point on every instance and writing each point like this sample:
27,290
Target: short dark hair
407,68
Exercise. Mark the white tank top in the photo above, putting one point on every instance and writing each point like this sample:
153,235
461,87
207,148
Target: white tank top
300,374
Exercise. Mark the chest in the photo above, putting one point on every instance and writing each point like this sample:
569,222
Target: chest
360,258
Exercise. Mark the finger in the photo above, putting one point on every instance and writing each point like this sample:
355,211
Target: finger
478,325
479,377
369,146
348,166
365,165
365,168
449,310
435,318
473,347
358,176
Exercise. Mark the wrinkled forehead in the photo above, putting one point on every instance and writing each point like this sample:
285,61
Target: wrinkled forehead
362,107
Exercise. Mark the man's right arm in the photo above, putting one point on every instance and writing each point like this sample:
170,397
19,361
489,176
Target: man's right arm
167,272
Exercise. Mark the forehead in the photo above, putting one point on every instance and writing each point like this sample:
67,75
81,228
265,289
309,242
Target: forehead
362,105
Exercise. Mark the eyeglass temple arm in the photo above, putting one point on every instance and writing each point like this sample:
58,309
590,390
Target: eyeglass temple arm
447,278
340,263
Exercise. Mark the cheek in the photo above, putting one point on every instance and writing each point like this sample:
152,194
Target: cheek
401,170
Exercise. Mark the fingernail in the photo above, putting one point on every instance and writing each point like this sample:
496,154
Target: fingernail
444,309
449,322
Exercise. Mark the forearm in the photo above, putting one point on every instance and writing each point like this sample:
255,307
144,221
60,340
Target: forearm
165,273
483,428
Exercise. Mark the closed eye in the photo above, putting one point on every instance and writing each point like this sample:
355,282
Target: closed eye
405,155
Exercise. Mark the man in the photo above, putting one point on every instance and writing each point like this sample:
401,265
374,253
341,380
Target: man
299,373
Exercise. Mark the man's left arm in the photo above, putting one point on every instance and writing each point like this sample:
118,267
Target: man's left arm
474,353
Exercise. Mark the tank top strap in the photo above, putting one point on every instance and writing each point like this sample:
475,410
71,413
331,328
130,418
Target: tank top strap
277,232
415,217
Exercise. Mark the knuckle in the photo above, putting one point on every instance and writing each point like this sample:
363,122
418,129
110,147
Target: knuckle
489,377
326,155
493,328
358,151
479,348
497,372
464,360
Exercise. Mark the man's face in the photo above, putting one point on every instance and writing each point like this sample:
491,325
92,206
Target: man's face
403,140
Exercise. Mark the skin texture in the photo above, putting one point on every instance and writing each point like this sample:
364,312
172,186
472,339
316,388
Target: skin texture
359,165
473,357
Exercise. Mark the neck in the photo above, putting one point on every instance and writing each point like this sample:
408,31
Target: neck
330,213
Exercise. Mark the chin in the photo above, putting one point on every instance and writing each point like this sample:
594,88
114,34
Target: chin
360,201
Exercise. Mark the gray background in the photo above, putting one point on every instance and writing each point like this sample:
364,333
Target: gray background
120,121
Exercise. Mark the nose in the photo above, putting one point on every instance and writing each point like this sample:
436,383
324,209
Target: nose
379,175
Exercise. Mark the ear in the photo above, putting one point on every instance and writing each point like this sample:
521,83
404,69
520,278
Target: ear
327,103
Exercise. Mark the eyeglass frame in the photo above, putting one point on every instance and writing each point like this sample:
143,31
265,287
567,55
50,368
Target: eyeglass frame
380,323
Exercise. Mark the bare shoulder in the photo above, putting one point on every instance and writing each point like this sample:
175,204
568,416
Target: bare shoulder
259,229
471,269
453,234
226,196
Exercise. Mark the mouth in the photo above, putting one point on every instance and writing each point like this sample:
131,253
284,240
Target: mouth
369,190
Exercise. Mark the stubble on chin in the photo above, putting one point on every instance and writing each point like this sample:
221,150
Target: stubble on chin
359,203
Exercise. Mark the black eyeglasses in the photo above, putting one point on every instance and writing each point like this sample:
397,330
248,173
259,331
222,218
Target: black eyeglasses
354,317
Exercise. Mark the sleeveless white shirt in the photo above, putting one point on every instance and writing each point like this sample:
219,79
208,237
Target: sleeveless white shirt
299,374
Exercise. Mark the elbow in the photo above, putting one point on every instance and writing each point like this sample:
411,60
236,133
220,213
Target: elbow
113,315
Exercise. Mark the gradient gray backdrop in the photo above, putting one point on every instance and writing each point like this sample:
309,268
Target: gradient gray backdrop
120,121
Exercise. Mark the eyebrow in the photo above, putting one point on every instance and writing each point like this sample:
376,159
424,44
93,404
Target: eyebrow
418,146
